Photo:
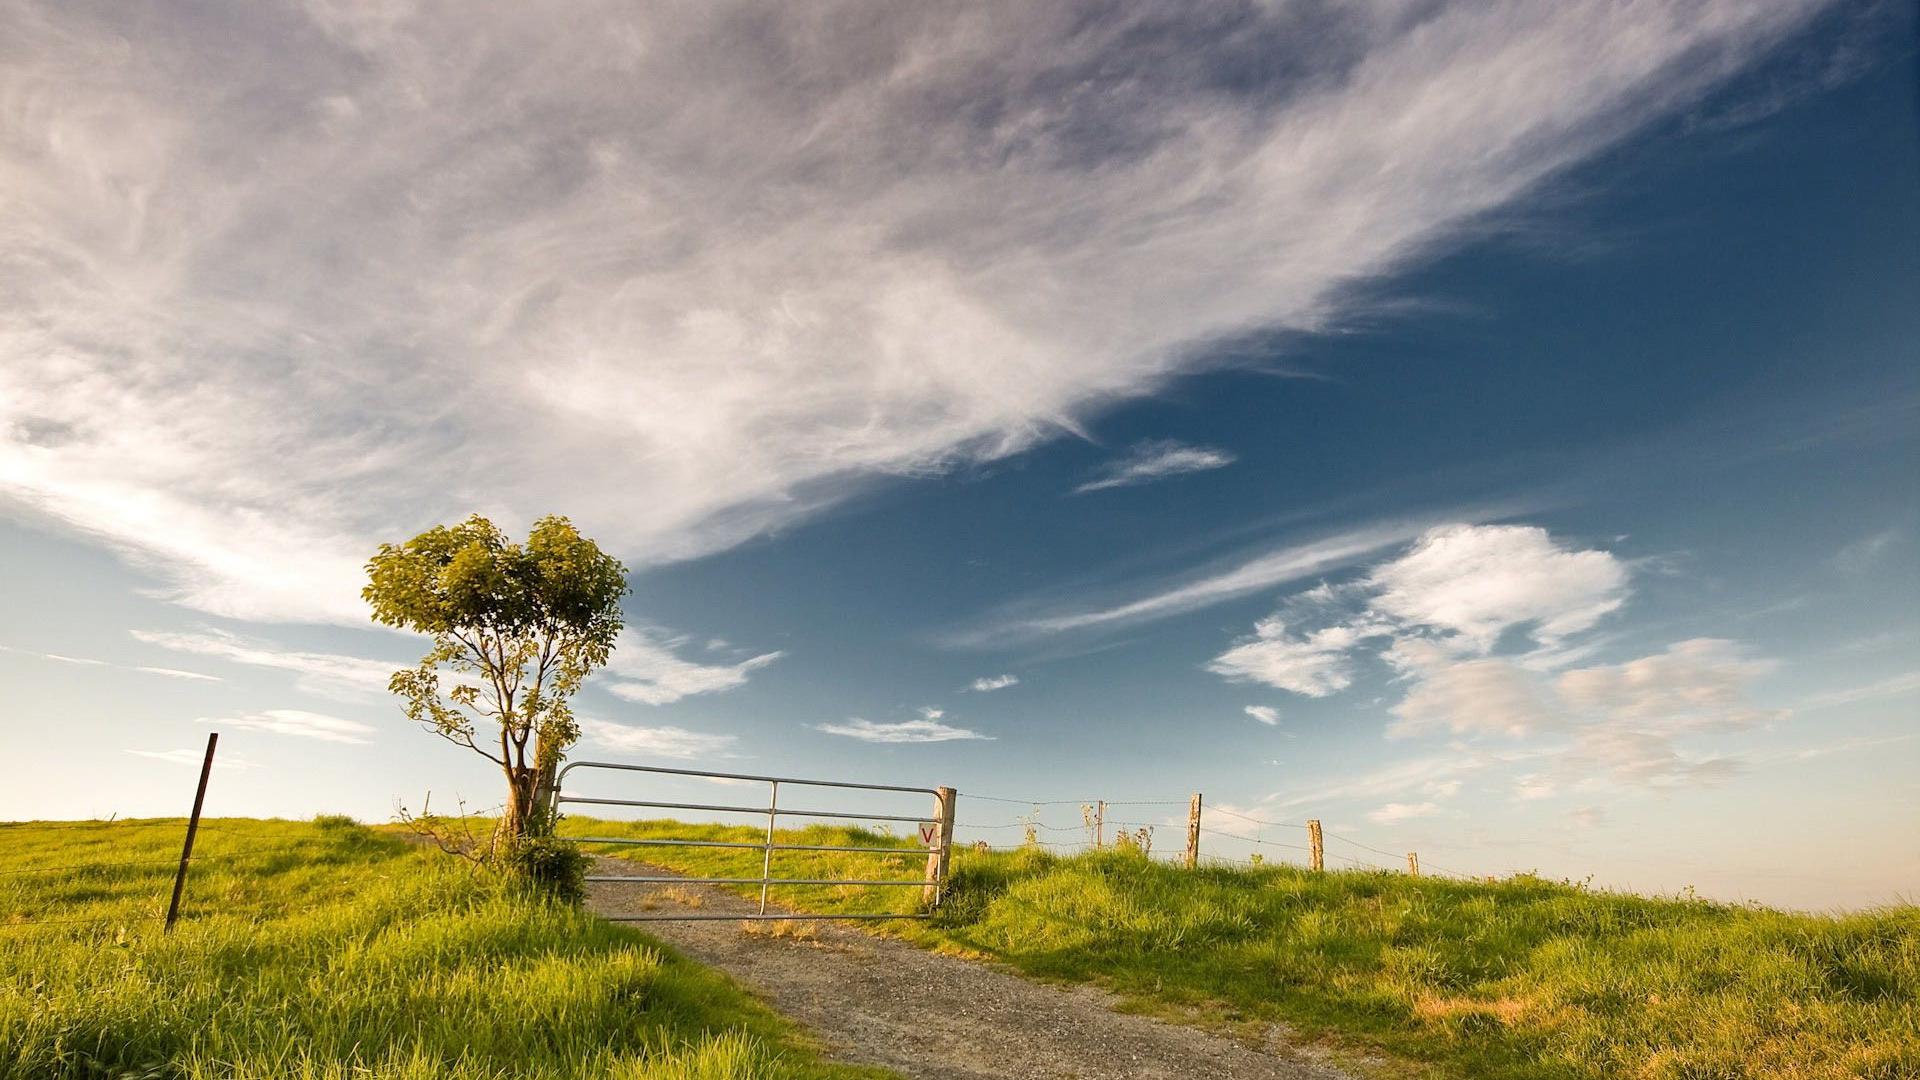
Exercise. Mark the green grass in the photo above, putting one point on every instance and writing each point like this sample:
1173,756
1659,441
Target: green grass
327,950
1520,978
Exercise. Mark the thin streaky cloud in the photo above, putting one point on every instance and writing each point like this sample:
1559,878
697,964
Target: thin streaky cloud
176,673
298,723
1279,566
646,667
1893,686
327,674
989,683
927,730
712,256
1153,461
194,758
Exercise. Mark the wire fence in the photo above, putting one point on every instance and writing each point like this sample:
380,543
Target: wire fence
1220,836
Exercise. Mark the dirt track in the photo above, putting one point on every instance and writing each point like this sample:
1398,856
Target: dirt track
882,1002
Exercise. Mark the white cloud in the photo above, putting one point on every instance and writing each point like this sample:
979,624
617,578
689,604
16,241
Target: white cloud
176,673
171,673
1893,686
57,658
712,255
906,731
1534,786
193,758
988,683
1588,817
1863,554
1266,714
1150,461
1474,582
306,725
659,742
1293,562
327,674
644,668
1486,696
1395,812
1315,665
1695,685
1457,590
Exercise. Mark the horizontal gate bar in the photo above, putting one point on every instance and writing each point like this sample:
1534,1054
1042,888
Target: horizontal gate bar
740,844
741,776
740,880
749,917
733,809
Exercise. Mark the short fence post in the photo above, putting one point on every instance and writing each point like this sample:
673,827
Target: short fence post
1316,851
939,858
1413,863
1193,832
193,826
1100,824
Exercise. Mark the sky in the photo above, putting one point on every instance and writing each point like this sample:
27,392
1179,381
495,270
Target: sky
1488,429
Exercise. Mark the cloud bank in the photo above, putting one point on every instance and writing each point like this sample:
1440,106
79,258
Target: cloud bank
281,281
1482,624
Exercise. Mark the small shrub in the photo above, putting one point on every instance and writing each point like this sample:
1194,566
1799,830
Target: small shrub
554,868
334,822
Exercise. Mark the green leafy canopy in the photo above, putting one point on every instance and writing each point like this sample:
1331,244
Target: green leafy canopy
519,627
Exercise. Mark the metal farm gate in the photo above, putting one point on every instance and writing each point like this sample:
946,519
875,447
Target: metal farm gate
935,835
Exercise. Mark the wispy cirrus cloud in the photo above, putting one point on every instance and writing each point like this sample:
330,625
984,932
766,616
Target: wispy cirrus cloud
185,756
1190,592
930,728
989,683
1266,714
1394,813
660,742
646,668
83,661
707,242
1158,460
298,723
326,674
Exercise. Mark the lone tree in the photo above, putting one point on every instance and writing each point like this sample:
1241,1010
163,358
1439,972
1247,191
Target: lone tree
518,627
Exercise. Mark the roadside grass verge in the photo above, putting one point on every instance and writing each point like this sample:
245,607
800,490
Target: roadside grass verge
1517,979
326,951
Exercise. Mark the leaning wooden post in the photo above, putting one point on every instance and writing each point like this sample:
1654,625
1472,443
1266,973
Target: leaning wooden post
1100,824
1316,851
193,826
1193,832
940,856
1413,863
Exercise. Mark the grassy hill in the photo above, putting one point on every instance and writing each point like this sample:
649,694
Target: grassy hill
323,951
1519,978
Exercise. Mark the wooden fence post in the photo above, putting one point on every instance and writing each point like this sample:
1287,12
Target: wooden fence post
1413,863
1316,851
193,826
939,858
1100,824
1193,832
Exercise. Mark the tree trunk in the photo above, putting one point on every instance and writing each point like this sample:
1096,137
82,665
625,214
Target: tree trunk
520,816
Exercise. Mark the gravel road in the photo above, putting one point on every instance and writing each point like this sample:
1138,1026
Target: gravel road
878,1001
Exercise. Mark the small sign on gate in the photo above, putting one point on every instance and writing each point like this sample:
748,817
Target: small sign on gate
929,834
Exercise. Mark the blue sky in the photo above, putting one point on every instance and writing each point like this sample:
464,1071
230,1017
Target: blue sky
1490,432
